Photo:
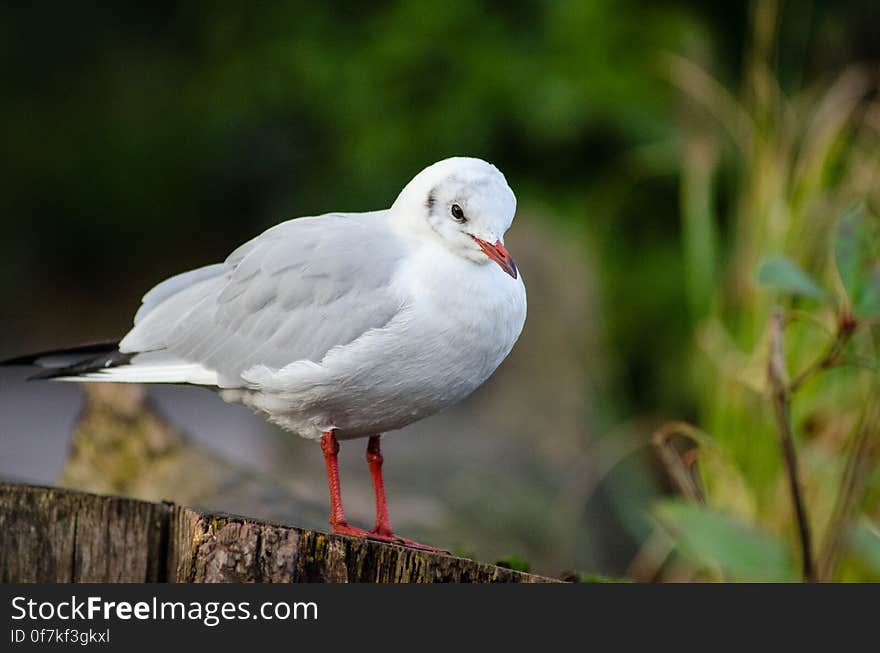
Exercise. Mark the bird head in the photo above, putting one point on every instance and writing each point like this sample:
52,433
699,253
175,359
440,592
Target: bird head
467,204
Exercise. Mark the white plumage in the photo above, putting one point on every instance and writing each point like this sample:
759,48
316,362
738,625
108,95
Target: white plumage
358,323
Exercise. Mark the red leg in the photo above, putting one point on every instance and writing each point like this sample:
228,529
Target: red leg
338,523
375,460
382,530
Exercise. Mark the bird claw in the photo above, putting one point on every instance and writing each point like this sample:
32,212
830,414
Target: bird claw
345,528
391,538
349,530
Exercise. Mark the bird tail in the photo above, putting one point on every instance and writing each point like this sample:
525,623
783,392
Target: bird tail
73,361
102,361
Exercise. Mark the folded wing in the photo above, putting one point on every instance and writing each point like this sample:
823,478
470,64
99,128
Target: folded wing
293,293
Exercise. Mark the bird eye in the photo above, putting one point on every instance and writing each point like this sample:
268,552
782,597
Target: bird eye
458,214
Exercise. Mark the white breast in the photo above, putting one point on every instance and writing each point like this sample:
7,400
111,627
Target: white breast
459,321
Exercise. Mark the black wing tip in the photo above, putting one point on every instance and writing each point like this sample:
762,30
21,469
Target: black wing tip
102,361
82,360
45,375
96,348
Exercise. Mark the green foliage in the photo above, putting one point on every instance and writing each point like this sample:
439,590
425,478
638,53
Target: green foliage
787,167
514,562
864,540
857,261
868,304
785,275
719,544
733,549
857,254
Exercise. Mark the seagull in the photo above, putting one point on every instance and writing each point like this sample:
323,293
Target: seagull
338,326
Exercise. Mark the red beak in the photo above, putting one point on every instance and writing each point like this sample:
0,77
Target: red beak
498,254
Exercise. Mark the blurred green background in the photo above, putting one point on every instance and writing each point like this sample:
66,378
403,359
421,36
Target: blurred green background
659,150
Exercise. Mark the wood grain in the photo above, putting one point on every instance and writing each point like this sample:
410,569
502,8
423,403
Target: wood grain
53,535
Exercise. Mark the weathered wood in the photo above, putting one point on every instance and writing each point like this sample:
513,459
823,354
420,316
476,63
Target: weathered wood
225,548
52,535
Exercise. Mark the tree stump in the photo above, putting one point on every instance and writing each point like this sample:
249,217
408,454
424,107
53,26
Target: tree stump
54,535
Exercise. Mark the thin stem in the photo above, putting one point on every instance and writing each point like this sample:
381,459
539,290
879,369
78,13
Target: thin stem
680,472
830,358
859,464
779,386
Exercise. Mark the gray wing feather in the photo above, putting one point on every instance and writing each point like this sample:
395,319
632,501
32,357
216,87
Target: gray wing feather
293,293
174,285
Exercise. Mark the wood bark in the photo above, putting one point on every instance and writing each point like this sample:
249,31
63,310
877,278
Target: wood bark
54,535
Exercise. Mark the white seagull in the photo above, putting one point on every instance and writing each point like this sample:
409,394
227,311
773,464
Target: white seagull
339,326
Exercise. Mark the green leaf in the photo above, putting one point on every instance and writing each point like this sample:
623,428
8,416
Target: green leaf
784,274
864,541
864,362
846,247
856,253
868,304
711,538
